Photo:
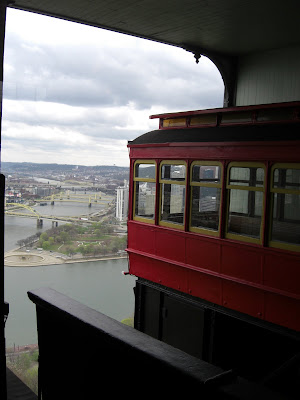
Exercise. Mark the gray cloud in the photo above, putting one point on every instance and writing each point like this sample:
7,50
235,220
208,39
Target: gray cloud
95,93
99,76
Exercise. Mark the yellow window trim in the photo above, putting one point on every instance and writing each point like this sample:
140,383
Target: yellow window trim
245,165
205,162
172,162
172,224
249,188
206,184
240,237
208,163
137,217
287,191
235,236
285,246
141,179
171,182
144,180
244,238
283,166
275,243
135,179
202,230
144,219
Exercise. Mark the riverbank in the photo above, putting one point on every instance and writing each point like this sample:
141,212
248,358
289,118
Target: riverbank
36,258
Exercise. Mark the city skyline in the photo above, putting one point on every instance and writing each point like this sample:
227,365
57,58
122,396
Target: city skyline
75,94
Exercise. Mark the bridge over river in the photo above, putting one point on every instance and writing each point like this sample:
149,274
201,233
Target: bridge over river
26,211
89,199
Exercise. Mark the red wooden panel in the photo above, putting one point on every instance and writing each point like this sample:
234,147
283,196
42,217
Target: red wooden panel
203,253
171,276
282,272
140,266
141,237
241,262
243,298
170,244
204,286
283,311
158,271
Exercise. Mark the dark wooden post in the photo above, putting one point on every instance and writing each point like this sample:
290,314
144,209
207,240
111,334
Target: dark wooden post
3,311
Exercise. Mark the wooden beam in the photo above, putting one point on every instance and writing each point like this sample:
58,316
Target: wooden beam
3,385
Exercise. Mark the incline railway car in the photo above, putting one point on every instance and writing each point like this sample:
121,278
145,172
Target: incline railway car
214,237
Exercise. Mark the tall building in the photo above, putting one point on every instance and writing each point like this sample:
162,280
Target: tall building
122,201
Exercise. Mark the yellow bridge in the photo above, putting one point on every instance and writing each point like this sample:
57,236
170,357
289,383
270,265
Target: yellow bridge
81,198
23,210
14,209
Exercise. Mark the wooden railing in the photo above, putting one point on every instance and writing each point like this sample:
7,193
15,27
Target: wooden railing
87,355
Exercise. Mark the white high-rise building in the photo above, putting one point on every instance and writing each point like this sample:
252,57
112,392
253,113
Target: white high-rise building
122,202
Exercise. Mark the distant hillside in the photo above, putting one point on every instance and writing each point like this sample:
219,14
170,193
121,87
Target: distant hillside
34,168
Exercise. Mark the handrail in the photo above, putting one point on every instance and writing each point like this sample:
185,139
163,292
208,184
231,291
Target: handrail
83,353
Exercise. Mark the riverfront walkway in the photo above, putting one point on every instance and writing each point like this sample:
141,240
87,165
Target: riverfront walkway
36,258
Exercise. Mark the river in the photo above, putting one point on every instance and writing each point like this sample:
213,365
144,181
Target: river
97,284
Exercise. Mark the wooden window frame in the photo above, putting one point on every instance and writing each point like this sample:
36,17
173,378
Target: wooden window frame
137,179
219,185
275,243
169,224
236,236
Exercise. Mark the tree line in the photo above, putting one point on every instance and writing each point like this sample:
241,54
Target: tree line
95,239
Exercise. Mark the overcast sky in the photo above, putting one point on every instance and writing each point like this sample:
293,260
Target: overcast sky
75,94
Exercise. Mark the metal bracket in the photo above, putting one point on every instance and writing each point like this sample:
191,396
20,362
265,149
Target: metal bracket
227,66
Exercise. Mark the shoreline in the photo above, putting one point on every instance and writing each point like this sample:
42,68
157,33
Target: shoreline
35,258
78,260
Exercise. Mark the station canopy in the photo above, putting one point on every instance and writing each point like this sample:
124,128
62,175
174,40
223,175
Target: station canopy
229,27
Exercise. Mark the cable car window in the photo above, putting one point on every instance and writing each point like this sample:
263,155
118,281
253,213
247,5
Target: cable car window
144,170
144,191
285,198
205,197
246,176
172,184
173,172
245,202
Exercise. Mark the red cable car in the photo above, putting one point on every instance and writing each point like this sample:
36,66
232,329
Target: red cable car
214,235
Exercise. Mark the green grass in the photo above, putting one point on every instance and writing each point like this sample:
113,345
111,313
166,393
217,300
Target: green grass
128,321
25,366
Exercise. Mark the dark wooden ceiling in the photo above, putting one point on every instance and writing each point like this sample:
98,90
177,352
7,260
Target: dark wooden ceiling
224,26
